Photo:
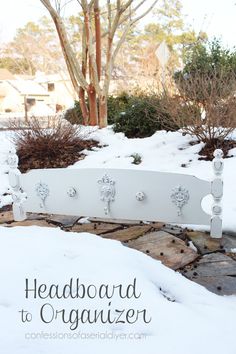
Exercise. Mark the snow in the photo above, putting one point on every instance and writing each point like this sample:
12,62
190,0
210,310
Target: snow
41,109
185,317
164,151
191,245
84,220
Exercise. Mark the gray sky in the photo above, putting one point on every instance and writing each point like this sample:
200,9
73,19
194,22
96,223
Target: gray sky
216,17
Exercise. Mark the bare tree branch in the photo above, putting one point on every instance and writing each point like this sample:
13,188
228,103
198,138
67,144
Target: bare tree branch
134,10
70,57
120,12
145,13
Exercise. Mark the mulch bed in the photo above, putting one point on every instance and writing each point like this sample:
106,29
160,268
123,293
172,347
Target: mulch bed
207,151
6,208
64,159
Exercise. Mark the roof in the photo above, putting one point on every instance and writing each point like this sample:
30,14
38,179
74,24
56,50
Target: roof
47,78
28,87
6,75
24,77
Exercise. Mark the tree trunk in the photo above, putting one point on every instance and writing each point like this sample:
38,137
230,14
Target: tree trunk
124,14
93,110
83,106
102,111
98,38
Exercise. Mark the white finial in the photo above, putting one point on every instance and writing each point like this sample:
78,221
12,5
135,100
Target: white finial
218,162
18,196
217,193
12,159
218,153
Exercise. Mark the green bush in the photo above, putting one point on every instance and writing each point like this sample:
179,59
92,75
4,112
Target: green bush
144,115
115,105
206,96
207,62
137,115
74,114
137,158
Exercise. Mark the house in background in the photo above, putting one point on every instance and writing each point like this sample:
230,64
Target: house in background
41,95
17,94
59,87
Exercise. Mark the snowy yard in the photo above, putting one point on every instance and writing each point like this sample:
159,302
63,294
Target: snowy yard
92,260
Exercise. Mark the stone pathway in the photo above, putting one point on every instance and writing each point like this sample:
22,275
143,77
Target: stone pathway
206,261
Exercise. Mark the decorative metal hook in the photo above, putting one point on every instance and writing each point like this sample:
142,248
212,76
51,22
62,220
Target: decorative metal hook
180,197
42,191
107,191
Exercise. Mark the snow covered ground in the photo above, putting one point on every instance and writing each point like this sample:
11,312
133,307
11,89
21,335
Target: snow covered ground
183,316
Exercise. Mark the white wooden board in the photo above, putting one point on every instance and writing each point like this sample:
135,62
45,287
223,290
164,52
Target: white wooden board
156,192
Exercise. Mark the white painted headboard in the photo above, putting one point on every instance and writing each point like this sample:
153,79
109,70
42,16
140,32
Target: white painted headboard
118,194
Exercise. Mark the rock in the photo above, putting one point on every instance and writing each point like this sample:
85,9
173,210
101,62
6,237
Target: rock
6,217
174,230
231,255
129,233
63,220
167,248
203,242
157,225
219,285
229,242
212,265
115,221
96,228
213,257
42,223
34,216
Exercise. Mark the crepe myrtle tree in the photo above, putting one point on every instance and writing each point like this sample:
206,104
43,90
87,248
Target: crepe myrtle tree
101,33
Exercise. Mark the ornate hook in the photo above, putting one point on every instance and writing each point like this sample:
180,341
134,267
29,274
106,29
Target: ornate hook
180,197
42,191
107,191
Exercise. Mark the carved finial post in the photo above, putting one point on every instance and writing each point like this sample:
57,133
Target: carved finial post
217,193
18,196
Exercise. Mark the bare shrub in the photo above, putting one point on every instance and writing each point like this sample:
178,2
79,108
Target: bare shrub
204,106
39,147
13,122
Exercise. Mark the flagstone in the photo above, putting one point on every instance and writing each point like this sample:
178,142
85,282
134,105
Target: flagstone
170,250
